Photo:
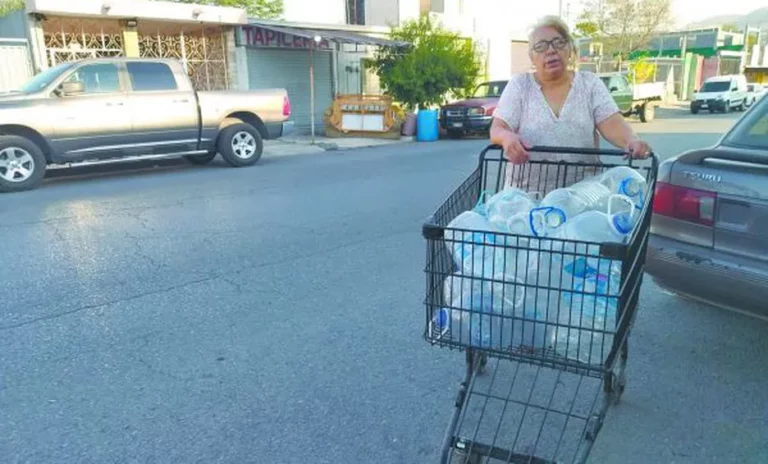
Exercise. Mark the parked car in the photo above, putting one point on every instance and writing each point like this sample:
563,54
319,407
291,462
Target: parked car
128,109
640,99
721,93
709,231
474,114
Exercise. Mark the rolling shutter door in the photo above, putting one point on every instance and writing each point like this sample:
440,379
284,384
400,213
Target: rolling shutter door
289,69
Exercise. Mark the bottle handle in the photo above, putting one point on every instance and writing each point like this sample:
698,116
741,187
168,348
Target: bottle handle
623,198
543,211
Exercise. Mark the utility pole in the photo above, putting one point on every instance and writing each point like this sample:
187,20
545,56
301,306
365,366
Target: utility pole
560,9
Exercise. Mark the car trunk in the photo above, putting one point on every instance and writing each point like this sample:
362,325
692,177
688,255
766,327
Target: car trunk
717,198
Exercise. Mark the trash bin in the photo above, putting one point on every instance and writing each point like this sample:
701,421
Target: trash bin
427,129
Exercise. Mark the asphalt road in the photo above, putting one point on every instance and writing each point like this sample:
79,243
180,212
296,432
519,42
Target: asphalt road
273,314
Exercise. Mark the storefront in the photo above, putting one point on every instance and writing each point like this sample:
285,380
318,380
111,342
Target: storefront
200,36
300,60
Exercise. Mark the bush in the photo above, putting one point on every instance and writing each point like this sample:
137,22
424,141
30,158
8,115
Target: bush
437,63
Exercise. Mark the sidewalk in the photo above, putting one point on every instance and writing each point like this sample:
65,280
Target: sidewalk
302,144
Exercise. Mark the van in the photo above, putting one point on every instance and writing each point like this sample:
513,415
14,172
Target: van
721,93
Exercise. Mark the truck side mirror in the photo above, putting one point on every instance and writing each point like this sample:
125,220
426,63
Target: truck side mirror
614,89
72,88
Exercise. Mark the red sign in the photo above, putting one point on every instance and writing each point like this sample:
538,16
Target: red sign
254,36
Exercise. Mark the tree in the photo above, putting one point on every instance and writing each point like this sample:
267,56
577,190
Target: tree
9,6
626,26
437,63
264,9
585,29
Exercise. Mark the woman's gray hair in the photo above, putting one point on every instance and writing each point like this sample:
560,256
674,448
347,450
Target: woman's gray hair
555,23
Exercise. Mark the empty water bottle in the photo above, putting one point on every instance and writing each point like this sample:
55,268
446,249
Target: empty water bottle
594,194
596,226
587,321
476,231
471,302
565,200
505,204
546,220
627,181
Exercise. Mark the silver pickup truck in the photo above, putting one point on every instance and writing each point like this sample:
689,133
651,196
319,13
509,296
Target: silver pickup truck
127,109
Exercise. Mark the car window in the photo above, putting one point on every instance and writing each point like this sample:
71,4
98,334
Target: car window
45,78
490,90
147,76
97,78
717,86
751,131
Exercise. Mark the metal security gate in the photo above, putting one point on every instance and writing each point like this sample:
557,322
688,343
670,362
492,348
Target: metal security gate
15,64
203,54
70,39
289,69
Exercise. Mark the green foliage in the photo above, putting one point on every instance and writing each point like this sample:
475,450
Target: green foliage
625,26
437,63
9,6
641,71
264,9
585,29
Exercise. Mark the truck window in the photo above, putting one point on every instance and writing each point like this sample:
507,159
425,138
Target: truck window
97,78
148,77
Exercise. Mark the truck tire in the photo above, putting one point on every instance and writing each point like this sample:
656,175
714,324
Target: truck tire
694,109
22,164
742,106
647,112
201,159
240,145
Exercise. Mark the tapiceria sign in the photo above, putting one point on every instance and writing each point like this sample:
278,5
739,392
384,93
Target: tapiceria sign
254,36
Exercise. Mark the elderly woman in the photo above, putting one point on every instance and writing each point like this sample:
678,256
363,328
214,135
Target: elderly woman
555,106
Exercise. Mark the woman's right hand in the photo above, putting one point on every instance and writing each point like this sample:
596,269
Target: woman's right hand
515,148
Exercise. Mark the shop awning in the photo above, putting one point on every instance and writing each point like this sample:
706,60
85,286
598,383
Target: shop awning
339,37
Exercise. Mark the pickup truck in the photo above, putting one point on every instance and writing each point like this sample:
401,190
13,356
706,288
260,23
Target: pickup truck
107,110
640,99
474,114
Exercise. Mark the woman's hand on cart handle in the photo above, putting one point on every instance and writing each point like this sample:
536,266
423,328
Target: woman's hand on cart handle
638,149
515,148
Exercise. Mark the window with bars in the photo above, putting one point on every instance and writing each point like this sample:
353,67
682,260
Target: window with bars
356,12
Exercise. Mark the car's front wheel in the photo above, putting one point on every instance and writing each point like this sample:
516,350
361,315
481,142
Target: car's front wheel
22,164
240,145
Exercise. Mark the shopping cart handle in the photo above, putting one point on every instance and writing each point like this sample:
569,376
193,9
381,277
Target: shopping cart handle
571,151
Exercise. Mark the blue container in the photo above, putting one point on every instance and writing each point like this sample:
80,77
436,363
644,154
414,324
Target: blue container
427,129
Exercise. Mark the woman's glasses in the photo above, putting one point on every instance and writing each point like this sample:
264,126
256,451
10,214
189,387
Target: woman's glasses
558,43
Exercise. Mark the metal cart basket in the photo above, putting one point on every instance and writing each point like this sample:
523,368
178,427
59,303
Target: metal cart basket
543,322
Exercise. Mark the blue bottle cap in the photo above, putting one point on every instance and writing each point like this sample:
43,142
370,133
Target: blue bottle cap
622,223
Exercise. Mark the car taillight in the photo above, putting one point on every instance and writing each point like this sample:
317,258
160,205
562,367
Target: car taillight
286,106
686,204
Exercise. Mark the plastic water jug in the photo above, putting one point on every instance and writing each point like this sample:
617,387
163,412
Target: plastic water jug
476,231
596,226
507,203
627,181
585,318
593,193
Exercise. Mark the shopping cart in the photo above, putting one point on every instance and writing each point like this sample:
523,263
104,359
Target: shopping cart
537,386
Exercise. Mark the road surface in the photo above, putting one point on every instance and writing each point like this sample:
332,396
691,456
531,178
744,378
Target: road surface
273,314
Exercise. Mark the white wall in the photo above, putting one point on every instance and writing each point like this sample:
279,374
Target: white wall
381,13
409,9
315,11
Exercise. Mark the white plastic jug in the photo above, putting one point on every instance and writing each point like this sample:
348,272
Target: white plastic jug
627,181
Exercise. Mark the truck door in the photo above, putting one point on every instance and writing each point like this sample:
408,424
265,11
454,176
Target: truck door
163,108
621,92
94,123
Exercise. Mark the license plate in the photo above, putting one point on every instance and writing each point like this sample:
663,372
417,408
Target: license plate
457,124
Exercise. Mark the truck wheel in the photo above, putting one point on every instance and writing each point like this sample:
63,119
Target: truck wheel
201,159
240,145
22,164
647,112
694,109
742,106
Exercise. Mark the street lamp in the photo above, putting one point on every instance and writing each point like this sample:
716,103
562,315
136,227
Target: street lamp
317,40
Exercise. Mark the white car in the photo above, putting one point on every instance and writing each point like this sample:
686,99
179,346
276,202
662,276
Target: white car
721,93
756,92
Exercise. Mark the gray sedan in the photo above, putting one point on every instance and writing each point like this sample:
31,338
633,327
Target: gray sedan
710,224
